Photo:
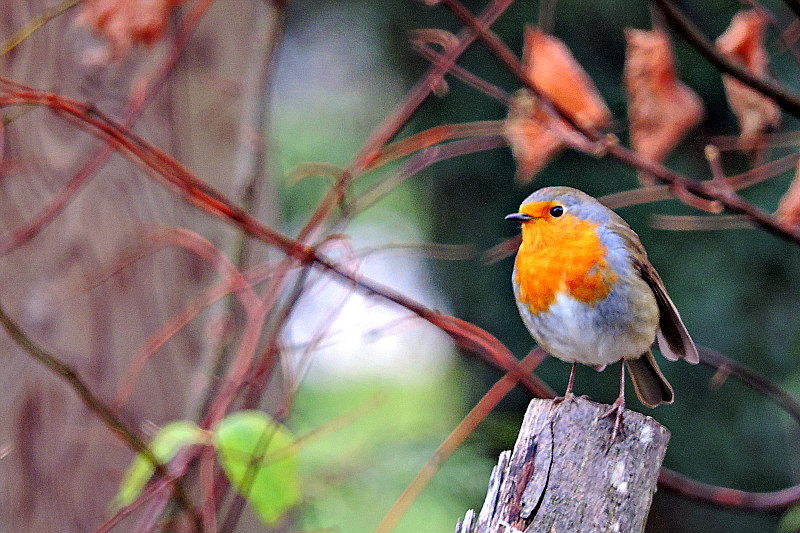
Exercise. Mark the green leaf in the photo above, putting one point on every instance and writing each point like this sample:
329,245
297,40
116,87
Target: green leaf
258,457
790,522
166,443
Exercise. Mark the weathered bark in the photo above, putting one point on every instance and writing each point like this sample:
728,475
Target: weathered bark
566,475
61,466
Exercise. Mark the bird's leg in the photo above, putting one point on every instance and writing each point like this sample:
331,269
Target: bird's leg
568,396
618,407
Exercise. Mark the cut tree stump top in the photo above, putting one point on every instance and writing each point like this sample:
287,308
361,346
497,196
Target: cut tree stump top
565,475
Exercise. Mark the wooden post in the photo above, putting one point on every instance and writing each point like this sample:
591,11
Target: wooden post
565,475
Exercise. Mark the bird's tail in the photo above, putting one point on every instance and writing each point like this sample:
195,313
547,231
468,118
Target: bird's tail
651,386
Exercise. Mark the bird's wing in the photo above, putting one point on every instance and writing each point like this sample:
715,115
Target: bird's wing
673,338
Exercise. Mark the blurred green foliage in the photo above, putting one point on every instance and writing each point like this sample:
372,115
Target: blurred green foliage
259,457
736,290
353,475
257,454
169,439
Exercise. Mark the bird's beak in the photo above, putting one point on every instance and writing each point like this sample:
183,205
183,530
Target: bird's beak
519,217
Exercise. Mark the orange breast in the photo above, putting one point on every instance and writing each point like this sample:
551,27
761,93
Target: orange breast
561,255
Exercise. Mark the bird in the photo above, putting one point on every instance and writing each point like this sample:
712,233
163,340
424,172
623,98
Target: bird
588,294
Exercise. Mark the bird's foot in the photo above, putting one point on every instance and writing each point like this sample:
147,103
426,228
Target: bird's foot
568,397
616,409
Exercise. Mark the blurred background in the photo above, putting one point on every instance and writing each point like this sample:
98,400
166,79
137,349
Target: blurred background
340,68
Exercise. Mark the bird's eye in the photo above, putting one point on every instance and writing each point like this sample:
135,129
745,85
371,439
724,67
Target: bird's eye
556,211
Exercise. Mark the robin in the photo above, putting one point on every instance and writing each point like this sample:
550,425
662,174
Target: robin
588,294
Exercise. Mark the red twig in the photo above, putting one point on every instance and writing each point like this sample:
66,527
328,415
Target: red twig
398,118
725,497
464,429
208,509
202,195
705,190
102,411
422,160
732,498
149,492
678,20
462,74
234,282
138,101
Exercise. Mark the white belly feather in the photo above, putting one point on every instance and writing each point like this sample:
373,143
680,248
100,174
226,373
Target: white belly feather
597,334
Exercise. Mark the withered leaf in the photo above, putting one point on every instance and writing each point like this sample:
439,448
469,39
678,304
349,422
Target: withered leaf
535,134
558,76
125,23
743,41
528,129
661,109
789,207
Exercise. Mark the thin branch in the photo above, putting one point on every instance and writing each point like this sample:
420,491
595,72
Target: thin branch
770,16
547,15
36,23
234,281
94,404
172,174
252,169
422,160
136,105
436,136
683,25
794,5
705,190
762,386
732,498
68,374
728,498
400,116
764,172
429,250
493,91
699,223
457,437
123,512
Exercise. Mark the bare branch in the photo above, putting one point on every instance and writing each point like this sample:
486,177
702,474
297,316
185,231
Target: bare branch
704,190
683,25
457,437
136,105
94,404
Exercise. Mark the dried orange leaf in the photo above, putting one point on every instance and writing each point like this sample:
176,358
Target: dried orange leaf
125,23
789,207
535,134
743,41
529,132
558,76
661,109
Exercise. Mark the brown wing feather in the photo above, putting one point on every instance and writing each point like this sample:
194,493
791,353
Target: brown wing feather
673,338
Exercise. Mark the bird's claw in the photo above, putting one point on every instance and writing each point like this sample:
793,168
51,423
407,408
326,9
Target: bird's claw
568,397
619,427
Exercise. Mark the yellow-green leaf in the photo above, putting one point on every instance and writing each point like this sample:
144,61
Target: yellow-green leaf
790,522
258,457
166,443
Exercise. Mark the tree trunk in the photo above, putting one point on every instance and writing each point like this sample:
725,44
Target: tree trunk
565,475
62,466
